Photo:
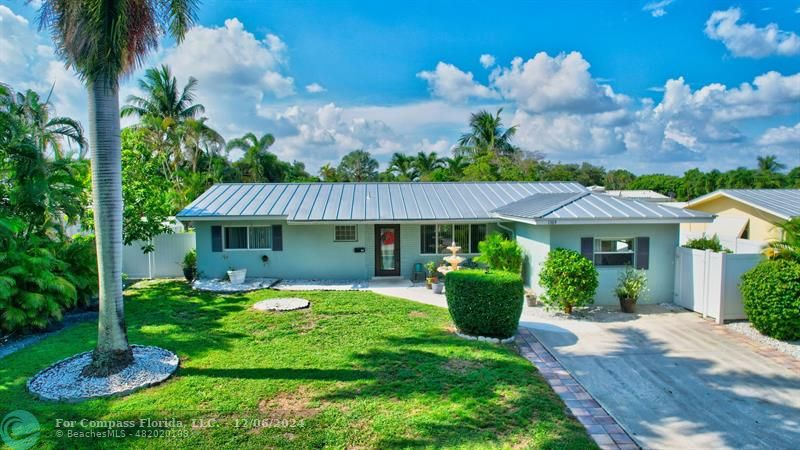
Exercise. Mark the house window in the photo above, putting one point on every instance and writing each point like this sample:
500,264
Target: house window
345,233
243,238
613,252
434,239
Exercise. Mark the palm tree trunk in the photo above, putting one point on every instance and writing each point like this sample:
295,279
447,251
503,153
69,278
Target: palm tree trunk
112,353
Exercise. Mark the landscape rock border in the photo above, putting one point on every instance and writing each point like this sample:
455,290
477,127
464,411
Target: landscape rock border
470,337
63,382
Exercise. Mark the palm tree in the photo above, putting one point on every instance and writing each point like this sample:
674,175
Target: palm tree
104,40
769,164
255,152
328,173
163,98
199,139
402,167
48,132
487,135
425,163
456,165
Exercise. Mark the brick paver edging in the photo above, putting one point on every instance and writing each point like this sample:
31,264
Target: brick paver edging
780,358
603,428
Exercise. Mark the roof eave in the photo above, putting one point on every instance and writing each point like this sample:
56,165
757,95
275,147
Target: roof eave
607,220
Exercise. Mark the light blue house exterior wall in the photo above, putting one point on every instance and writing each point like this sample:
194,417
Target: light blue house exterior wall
309,251
536,240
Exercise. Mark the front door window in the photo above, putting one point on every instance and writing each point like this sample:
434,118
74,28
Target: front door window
387,246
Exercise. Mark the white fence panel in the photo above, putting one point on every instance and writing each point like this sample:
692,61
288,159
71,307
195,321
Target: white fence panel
708,282
163,262
733,244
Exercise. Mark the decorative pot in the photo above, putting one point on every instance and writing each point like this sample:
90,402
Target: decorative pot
188,272
531,298
437,288
627,305
237,276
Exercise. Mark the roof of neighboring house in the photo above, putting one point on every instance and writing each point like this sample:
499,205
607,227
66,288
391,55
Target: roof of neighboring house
783,203
313,202
594,208
637,194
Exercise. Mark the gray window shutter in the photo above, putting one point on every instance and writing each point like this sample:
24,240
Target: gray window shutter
642,253
277,238
587,248
216,238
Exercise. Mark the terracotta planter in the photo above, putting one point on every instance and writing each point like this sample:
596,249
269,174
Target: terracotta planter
627,305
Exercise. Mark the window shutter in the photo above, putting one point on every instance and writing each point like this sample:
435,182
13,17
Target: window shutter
277,238
587,248
642,253
216,238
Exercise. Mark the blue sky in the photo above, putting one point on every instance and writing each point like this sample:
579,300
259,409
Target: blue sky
648,86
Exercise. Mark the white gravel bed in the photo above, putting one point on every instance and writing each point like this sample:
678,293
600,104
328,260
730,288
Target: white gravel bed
321,285
600,313
63,380
790,347
219,285
282,304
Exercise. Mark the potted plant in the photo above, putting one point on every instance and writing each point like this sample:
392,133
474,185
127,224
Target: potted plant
430,266
190,265
236,276
438,287
530,296
632,284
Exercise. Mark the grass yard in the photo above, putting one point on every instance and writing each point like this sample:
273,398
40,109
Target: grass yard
357,370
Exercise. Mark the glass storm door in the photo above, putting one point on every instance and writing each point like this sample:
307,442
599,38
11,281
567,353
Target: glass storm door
387,250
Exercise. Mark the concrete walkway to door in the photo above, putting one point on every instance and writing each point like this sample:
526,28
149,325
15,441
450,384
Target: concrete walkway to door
673,380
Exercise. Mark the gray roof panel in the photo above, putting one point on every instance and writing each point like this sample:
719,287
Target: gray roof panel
784,203
303,202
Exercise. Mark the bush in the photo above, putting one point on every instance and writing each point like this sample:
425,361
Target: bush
569,279
80,255
485,303
190,260
500,253
706,243
771,292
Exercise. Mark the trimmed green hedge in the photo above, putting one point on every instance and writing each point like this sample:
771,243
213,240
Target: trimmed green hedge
771,292
485,303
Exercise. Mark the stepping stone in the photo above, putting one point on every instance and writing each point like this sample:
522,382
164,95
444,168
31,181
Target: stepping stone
282,304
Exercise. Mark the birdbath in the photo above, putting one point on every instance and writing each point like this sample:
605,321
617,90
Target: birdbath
454,260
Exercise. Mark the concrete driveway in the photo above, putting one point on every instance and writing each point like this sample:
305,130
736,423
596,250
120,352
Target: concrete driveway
673,381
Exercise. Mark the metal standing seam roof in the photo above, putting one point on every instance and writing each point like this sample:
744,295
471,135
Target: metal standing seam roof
595,207
310,202
784,203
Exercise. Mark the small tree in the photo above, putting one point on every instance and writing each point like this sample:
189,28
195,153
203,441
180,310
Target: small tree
569,280
500,253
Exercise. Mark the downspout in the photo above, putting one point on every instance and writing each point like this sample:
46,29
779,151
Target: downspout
510,230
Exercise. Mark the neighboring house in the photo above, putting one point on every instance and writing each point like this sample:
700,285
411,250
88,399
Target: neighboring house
640,194
366,230
746,213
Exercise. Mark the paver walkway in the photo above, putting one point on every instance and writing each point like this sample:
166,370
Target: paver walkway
673,380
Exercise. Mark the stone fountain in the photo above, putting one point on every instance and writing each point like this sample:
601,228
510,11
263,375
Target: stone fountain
454,260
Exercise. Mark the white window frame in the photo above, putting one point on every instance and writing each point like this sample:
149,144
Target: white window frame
248,249
453,232
631,252
355,233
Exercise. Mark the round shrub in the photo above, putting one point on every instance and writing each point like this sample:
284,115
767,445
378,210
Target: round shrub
569,279
484,303
771,292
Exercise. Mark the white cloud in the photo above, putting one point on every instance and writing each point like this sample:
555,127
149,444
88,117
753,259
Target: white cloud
487,60
315,88
657,8
781,136
748,40
560,83
451,83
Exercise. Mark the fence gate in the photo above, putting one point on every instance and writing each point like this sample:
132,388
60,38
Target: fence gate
163,262
708,282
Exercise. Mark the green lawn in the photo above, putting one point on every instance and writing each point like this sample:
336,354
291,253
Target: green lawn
357,370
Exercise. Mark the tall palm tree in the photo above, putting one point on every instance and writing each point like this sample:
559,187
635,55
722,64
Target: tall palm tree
402,167
163,98
456,165
255,150
328,173
104,40
487,135
48,132
425,163
199,139
769,164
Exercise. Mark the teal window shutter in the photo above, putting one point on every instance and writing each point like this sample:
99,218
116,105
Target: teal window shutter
277,238
216,238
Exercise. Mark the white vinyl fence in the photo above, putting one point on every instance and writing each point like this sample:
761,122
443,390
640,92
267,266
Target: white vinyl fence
733,244
164,262
708,282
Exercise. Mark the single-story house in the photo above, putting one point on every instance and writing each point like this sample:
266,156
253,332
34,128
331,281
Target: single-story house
746,213
367,230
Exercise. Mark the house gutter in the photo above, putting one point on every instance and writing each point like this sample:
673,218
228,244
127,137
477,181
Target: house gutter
510,230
